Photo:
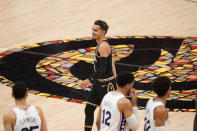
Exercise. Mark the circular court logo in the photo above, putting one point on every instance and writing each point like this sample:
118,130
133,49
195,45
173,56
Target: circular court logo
55,68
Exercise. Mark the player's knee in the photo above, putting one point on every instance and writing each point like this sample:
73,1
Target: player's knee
89,110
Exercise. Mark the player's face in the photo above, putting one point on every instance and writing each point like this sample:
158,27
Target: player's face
130,85
129,89
169,92
97,32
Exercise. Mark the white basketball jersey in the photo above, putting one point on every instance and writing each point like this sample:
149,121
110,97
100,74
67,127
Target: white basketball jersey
149,123
111,118
27,119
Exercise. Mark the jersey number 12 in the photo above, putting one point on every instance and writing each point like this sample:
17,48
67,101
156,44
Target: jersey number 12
106,117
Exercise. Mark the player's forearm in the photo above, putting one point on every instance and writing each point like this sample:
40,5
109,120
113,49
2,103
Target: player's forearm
98,126
98,119
114,68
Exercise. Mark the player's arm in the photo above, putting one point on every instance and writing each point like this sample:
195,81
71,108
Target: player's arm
130,113
98,120
114,68
9,121
104,51
160,116
43,121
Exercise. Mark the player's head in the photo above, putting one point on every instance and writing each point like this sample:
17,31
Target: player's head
161,86
103,25
99,29
19,90
125,80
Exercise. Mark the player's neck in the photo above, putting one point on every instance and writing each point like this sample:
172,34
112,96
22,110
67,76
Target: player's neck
122,91
162,99
99,40
21,103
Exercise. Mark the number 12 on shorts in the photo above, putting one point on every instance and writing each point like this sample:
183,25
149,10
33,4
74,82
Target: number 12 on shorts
106,117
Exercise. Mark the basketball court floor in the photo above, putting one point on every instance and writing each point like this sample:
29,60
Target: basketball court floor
31,25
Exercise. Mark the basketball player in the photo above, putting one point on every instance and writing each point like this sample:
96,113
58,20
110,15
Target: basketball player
102,79
24,117
116,112
195,119
156,117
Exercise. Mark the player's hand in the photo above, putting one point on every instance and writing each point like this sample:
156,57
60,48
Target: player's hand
133,96
85,84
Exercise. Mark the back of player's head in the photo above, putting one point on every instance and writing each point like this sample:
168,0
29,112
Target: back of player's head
124,78
19,90
161,85
103,25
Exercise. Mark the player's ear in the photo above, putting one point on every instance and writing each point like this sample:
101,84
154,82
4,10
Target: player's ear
103,32
128,86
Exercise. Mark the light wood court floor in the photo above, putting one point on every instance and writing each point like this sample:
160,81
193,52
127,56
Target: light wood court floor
30,21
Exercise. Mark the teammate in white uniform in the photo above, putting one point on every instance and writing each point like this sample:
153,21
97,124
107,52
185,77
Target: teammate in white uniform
156,117
116,112
23,117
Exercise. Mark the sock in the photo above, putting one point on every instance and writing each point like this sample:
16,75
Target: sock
88,129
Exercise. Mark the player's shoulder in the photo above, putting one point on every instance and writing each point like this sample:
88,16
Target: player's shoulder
104,44
40,112
161,108
38,108
160,111
124,102
9,116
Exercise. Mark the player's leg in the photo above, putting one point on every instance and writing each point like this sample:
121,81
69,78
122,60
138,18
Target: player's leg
90,108
89,116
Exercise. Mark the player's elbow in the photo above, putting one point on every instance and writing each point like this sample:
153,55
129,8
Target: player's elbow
133,122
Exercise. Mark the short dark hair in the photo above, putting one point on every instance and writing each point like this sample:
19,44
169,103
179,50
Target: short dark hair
103,25
161,85
124,78
19,90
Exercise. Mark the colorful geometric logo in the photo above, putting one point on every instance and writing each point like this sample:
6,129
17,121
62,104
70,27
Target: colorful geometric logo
55,68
